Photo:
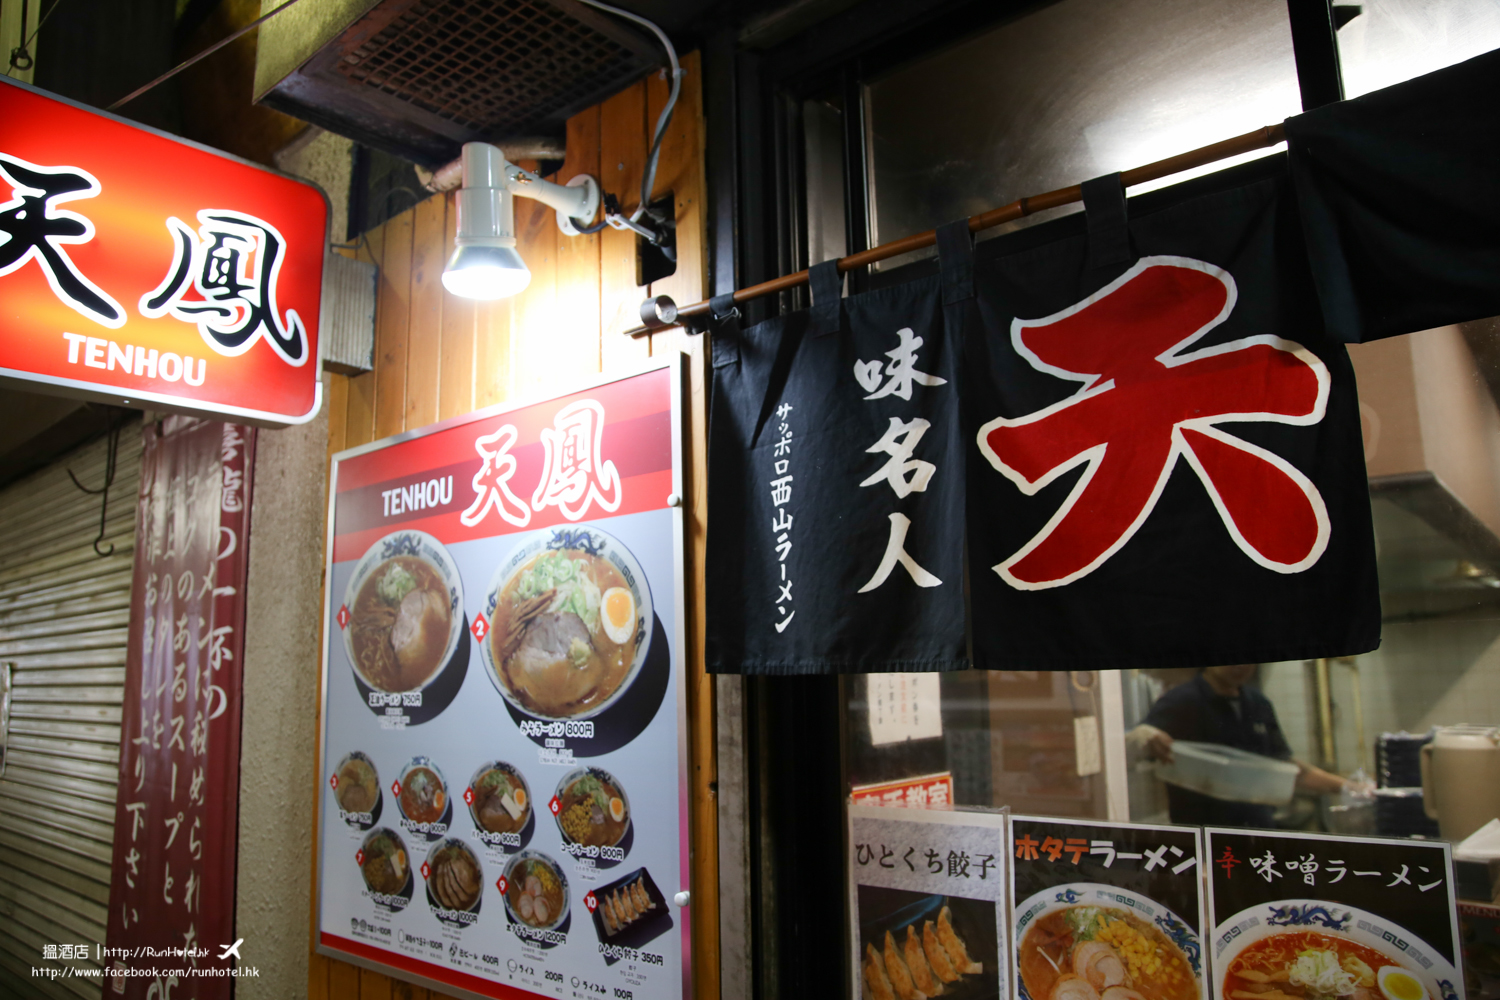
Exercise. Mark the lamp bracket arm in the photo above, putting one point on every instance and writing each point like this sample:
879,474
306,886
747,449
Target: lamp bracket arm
579,199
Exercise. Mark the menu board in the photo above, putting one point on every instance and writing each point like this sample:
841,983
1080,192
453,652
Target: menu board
503,740
927,894
1106,911
1479,925
1332,916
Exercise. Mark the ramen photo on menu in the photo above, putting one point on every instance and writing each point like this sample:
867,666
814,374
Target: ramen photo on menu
1102,953
1312,965
403,612
568,615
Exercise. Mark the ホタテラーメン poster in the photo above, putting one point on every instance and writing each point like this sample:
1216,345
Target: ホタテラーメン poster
503,760
927,898
1332,916
1102,906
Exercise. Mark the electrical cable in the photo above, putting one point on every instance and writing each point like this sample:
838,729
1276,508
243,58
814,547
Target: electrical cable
648,179
201,55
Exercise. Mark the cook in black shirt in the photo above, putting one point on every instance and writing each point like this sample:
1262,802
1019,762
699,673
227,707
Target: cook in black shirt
1217,707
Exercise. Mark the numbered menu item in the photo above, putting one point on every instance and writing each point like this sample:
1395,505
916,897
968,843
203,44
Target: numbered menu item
536,894
1304,917
386,868
568,624
630,910
593,814
928,893
356,786
403,601
500,805
544,787
1106,911
455,880
422,796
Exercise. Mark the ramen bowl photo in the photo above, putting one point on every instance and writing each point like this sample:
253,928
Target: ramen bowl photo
1303,949
499,800
384,862
424,794
536,891
1092,942
592,810
455,878
570,619
405,606
357,790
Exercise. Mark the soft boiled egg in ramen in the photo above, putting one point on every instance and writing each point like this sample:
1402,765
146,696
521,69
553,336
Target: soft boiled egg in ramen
1398,984
618,614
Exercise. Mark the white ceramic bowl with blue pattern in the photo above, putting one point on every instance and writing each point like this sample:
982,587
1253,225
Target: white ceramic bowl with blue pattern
420,545
1063,897
1289,916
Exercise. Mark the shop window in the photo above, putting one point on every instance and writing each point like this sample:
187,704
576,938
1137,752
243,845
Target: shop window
1393,40
1074,90
823,140
1077,89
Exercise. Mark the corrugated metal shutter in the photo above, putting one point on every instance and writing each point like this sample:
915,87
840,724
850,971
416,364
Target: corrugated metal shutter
63,617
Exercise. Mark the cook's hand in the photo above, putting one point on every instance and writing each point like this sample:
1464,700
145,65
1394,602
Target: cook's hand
1146,742
1159,746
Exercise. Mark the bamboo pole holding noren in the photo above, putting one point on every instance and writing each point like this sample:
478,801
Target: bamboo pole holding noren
1261,138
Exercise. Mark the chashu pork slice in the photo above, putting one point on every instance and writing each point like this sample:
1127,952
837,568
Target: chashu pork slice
550,638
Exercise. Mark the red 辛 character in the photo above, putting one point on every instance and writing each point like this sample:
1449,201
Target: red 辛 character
1145,402
1227,861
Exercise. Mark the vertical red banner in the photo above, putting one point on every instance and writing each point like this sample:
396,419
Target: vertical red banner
171,913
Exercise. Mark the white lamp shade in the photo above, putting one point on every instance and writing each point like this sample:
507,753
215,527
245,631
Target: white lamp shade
485,272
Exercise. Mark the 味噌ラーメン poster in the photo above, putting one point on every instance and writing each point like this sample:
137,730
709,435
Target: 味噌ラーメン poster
503,744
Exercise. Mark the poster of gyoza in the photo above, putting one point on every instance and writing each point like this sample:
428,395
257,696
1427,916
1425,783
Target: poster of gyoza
503,757
927,901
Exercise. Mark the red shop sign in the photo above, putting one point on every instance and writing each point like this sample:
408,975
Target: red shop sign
138,268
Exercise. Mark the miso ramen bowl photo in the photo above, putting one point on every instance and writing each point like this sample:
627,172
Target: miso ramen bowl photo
536,891
1082,942
385,863
499,798
424,793
592,809
570,619
1298,949
405,606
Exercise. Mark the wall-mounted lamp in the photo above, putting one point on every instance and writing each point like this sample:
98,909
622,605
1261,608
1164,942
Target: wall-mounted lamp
485,264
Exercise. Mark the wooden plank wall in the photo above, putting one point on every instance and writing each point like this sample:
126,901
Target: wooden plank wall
437,356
